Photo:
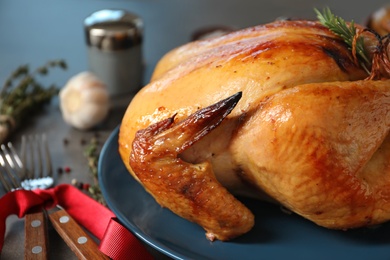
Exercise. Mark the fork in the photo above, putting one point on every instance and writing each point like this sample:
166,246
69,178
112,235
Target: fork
33,171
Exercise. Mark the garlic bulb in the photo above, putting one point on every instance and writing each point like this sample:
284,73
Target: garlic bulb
84,101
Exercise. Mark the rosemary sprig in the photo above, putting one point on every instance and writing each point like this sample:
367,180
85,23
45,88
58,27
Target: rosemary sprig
347,32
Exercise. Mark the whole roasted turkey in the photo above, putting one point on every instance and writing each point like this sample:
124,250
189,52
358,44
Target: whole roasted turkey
281,110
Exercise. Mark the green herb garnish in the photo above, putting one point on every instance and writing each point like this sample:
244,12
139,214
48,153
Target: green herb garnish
347,32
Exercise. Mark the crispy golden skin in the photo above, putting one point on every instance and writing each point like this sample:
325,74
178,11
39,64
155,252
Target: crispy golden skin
190,190
308,130
323,151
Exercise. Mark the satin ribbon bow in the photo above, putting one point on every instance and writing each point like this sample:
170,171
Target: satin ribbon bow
115,240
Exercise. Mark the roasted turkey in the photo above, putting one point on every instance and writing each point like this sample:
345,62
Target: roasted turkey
280,111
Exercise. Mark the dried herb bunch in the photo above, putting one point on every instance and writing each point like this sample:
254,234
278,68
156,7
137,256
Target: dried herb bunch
92,152
22,94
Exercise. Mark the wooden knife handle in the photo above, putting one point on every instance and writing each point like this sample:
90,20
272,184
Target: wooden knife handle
35,244
75,237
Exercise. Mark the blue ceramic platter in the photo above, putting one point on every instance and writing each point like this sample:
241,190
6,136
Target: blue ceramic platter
276,235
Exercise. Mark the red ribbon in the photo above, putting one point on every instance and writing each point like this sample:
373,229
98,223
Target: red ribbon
116,241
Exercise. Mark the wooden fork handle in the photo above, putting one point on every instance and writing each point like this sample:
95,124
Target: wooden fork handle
75,237
35,236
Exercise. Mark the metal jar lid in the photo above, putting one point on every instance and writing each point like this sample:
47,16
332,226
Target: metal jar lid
113,30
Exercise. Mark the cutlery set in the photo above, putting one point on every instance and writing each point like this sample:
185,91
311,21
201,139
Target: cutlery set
33,170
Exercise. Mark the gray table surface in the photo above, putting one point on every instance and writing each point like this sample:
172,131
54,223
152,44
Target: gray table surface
36,31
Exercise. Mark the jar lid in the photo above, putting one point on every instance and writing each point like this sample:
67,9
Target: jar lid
113,30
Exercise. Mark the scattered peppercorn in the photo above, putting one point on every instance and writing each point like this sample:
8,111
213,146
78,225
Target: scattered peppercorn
67,169
86,186
60,170
79,185
83,142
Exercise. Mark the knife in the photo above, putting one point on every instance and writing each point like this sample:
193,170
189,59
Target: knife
82,245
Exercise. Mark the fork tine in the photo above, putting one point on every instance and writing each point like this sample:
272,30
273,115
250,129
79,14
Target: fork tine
4,182
14,160
9,166
23,156
36,142
45,146
25,148
15,156
31,157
